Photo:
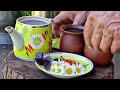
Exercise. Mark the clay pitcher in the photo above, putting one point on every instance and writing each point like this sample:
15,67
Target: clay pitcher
71,39
99,58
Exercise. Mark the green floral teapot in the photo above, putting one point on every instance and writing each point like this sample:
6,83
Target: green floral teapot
31,34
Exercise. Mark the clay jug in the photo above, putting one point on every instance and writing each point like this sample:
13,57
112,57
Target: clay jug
71,39
99,58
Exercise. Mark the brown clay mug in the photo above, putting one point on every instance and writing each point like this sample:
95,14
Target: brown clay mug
99,58
71,39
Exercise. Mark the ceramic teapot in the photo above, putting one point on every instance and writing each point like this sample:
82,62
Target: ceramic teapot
31,35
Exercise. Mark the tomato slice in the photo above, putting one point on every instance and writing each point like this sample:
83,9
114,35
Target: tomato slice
69,61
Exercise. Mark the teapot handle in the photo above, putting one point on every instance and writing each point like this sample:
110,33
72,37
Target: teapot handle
52,23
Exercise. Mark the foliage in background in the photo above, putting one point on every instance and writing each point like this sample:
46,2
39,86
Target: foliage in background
26,13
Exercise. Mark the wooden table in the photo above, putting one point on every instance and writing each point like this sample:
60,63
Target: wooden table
15,68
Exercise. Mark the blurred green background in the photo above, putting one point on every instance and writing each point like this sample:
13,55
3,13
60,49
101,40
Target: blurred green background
26,13
48,14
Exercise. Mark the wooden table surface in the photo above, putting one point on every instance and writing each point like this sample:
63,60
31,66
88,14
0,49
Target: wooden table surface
4,50
15,68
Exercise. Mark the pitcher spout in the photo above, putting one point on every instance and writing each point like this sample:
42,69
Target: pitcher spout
16,37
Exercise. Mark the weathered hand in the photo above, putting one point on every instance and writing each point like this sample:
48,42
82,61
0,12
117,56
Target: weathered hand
69,17
102,31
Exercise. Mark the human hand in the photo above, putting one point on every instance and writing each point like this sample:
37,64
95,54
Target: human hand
102,31
69,17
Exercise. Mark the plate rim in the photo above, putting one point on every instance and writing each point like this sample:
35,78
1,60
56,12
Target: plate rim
56,75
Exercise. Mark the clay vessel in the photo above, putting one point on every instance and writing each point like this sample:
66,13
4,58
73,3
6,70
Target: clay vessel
72,41
99,58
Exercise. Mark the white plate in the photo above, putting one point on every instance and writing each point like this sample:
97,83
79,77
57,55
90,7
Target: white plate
78,58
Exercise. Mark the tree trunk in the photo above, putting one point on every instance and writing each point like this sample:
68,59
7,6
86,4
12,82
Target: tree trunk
7,18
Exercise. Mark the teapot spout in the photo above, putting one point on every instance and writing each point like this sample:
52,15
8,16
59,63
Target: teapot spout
16,37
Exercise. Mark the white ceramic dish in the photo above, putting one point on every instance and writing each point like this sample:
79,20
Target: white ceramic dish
77,58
